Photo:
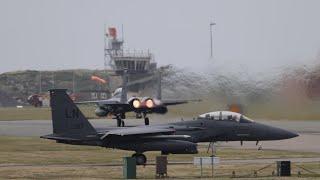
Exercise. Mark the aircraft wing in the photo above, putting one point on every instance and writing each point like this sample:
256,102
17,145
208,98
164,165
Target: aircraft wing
65,138
100,102
169,102
139,131
87,102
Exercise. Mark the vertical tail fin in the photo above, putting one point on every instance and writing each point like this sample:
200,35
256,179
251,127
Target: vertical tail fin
124,97
159,93
67,119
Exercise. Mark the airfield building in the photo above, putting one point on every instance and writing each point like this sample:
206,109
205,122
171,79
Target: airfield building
140,64
137,62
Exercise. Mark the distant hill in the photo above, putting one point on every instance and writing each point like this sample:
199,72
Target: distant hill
16,86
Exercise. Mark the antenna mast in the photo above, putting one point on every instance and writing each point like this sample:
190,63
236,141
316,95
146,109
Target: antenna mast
40,83
211,41
73,85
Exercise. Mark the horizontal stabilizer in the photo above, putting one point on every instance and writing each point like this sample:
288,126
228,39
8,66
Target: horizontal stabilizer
54,137
169,102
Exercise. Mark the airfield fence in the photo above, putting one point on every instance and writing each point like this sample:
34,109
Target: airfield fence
178,170
239,170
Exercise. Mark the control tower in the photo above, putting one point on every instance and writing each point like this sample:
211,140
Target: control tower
137,62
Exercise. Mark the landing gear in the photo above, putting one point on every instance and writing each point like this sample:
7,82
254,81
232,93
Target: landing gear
146,119
213,149
141,159
260,145
138,115
120,122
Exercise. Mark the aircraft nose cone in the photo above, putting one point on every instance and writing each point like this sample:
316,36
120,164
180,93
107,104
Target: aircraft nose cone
284,134
292,134
268,132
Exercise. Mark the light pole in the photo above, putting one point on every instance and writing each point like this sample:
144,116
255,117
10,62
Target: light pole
211,41
52,79
40,83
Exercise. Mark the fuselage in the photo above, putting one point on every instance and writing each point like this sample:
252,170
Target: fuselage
208,130
203,129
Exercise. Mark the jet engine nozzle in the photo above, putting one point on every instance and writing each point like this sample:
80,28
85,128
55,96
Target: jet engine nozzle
149,103
135,102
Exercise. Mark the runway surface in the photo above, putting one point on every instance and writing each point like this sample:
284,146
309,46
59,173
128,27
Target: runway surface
308,141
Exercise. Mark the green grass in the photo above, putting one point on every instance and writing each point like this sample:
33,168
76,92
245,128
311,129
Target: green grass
27,113
174,172
256,111
44,159
32,113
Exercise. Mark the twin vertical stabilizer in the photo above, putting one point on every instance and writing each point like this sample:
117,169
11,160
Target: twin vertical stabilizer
67,119
124,98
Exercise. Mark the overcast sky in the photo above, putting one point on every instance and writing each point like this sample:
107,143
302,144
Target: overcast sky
259,35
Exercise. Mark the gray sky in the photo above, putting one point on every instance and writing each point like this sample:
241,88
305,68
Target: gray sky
260,35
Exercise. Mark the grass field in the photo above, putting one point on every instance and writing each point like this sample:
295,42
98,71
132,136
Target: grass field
37,158
193,109
246,171
31,113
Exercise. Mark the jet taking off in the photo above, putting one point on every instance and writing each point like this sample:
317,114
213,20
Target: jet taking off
71,127
119,104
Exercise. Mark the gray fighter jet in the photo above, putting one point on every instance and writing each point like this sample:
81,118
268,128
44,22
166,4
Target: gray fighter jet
71,127
119,104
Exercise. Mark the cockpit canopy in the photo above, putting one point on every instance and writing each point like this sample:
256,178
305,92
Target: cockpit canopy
226,116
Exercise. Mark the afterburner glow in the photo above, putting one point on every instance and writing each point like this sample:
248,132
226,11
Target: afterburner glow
136,103
149,103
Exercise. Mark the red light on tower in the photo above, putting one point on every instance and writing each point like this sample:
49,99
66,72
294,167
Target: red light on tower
113,32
